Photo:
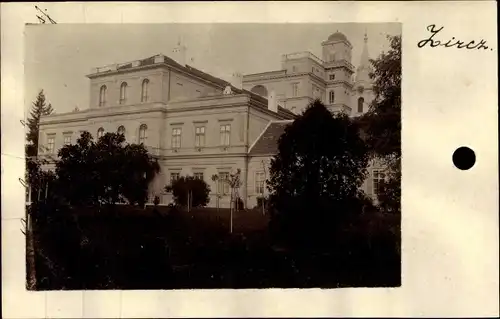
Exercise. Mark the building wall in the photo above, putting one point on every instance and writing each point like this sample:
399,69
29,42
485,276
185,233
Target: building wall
303,65
256,164
209,166
183,87
110,123
368,96
134,86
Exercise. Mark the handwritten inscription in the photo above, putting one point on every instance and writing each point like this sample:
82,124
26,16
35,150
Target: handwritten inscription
432,42
44,16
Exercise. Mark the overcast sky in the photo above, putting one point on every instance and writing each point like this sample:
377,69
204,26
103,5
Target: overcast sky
59,56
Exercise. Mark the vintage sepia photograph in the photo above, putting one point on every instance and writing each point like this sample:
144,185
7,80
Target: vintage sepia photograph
212,156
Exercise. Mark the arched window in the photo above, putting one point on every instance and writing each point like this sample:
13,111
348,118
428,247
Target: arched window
144,91
259,90
100,132
332,97
361,101
102,95
143,134
123,93
121,130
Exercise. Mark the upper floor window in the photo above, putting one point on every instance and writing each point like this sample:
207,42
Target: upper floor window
295,89
332,97
378,179
199,136
176,137
333,56
143,134
100,132
361,101
51,139
225,134
123,93
294,69
144,90
121,130
332,77
102,95
174,176
67,139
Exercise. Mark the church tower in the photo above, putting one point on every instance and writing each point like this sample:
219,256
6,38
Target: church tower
337,52
179,53
363,88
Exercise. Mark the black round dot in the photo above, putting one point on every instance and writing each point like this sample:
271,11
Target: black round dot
464,158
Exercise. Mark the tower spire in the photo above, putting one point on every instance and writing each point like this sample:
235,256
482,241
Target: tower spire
364,68
180,52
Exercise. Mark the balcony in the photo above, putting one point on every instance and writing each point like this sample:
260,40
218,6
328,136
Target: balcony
339,63
302,55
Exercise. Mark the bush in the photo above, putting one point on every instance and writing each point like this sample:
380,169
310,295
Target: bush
261,201
156,201
199,191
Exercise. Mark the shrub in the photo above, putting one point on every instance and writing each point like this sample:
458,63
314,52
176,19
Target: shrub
199,191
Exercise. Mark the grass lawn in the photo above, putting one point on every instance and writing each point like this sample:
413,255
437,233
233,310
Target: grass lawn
133,248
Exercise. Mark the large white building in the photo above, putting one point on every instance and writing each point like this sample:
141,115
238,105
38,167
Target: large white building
197,124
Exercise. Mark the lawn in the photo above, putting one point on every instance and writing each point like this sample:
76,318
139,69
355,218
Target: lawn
133,248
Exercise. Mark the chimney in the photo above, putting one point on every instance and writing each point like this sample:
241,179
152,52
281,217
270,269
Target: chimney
237,80
272,102
159,59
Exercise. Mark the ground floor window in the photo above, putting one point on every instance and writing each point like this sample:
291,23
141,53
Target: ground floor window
198,175
378,178
260,182
174,176
223,185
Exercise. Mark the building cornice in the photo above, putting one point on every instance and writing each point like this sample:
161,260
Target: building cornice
160,65
286,75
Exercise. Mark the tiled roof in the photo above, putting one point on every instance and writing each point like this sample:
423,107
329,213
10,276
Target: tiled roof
267,142
206,76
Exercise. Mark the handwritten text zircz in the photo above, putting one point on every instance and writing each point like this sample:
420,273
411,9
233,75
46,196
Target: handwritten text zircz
431,42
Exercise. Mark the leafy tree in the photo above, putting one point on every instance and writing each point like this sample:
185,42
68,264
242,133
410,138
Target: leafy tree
198,189
316,176
105,171
382,123
39,109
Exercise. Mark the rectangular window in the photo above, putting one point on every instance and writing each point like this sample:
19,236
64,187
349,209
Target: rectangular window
223,184
259,182
174,177
378,178
199,139
225,134
198,175
176,137
67,140
295,89
51,144
332,77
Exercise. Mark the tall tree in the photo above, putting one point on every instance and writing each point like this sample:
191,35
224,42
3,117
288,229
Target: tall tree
382,123
316,176
39,109
106,171
35,179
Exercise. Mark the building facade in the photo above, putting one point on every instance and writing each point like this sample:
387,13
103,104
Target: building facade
199,125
